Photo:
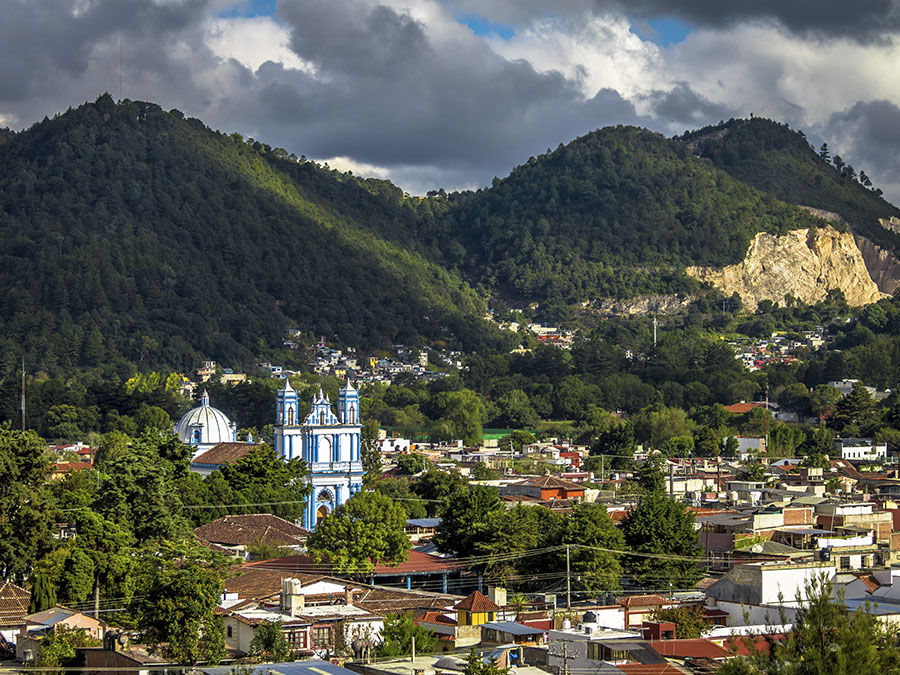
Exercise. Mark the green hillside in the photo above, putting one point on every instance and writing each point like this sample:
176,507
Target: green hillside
773,157
130,234
617,212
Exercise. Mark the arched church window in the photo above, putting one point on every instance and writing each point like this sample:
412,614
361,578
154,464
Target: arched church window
325,496
290,415
352,419
196,435
321,417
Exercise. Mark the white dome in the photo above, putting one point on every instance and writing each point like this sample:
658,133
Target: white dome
213,424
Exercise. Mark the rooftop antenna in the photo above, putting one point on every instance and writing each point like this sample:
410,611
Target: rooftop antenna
121,67
23,394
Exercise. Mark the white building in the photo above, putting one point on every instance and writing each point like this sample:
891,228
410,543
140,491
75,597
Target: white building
329,444
205,426
863,449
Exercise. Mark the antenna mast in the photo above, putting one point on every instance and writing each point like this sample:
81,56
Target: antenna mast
121,66
23,394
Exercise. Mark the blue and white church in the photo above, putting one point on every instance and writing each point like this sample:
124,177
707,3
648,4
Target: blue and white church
329,444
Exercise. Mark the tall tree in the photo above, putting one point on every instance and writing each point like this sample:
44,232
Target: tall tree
367,530
463,520
25,503
593,535
662,529
178,616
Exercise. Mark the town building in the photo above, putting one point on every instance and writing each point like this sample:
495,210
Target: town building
204,427
329,444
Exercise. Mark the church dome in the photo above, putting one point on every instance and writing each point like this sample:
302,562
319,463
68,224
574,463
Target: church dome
212,424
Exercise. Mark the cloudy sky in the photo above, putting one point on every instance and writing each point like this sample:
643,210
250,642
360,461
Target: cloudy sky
450,93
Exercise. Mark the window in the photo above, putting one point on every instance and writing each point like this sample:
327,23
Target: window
321,637
229,631
296,639
845,562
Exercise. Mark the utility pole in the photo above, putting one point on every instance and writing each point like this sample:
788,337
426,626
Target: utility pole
602,468
655,324
568,580
565,658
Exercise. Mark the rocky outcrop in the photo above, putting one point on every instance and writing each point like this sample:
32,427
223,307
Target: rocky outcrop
805,264
643,305
883,266
891,224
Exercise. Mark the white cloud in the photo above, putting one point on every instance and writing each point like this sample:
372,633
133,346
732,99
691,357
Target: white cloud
252,41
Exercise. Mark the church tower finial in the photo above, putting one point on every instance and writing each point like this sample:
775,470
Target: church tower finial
204,399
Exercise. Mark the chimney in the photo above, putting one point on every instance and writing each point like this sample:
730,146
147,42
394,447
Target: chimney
349,593
497,595
292,600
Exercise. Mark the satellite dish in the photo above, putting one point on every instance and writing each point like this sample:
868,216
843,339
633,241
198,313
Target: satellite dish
757,548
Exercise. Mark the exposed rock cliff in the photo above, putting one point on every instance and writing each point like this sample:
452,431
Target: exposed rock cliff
804,263
643,305
892,224
883,266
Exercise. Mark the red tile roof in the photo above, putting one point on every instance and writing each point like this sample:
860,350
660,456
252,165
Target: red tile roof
224,453
257,584
642,601
551,482
693,648
70,467
13,604
649,669
741,408
477,602
246,529
416,563
870,581
436,617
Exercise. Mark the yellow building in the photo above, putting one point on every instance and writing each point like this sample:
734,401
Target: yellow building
475,610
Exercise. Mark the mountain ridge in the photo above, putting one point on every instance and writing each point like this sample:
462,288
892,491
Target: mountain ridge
184,243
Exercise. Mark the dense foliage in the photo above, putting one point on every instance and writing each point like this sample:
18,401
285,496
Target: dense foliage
617,212
132,235
774,158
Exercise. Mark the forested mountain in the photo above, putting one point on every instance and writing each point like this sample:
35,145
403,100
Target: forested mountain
773,157
130,233
619,211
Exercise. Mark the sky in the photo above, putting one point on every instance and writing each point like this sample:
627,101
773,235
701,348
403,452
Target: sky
451,93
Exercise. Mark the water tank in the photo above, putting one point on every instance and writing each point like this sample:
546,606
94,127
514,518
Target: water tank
567,625
589,617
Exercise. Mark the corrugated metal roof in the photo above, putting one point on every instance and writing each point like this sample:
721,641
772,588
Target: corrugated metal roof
513,628
316,667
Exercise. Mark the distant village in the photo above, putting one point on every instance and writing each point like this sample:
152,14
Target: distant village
763,540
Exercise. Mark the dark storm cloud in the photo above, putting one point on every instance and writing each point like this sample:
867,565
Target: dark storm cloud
45,44
384,94
862,19
870,130
683,105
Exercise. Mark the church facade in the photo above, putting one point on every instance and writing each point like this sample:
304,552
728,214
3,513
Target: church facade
329,443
